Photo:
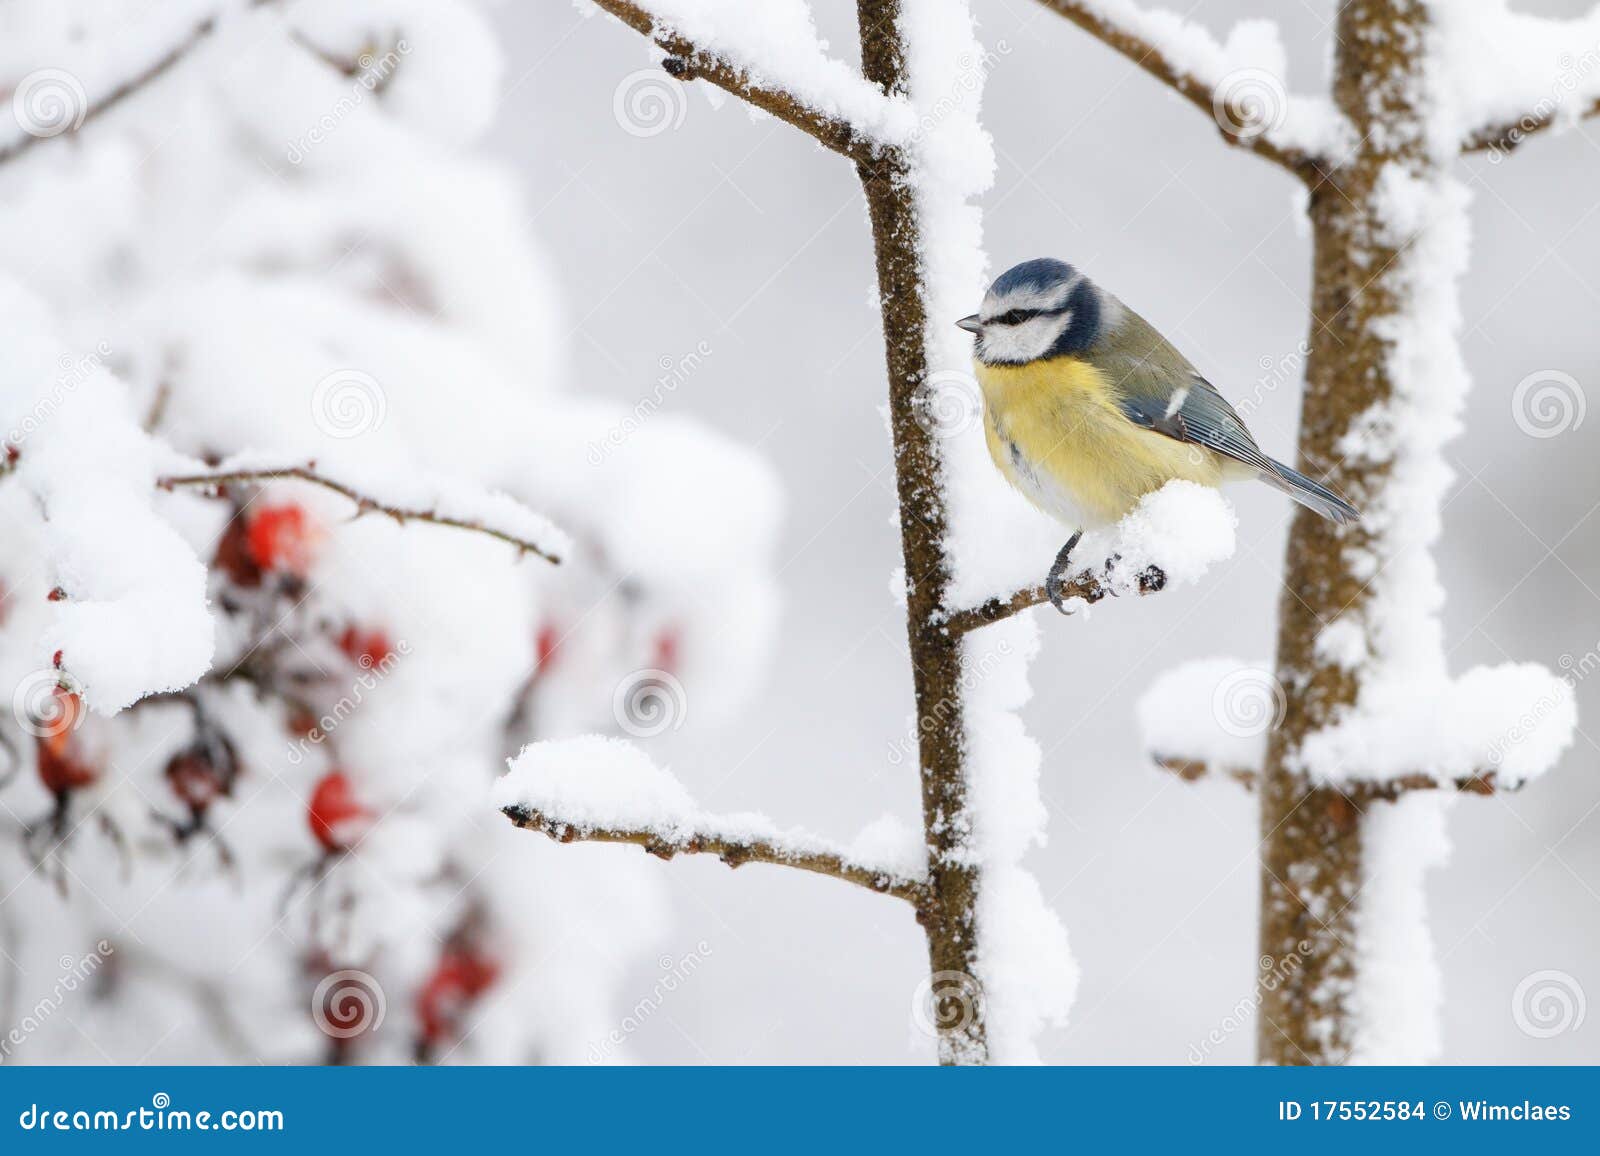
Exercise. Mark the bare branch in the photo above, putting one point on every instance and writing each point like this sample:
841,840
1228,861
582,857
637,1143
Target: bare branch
1482,783
687,61
1089,586
196,36
1197,92
733,852
363,502
1506,136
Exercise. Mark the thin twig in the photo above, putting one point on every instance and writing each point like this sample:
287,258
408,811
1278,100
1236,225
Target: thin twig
733,852
363,503
688,61
197,35
1149,58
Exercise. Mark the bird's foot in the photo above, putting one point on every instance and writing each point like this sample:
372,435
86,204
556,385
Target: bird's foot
1056,579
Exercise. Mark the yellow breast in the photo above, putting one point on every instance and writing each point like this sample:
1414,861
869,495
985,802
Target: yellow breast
1055,430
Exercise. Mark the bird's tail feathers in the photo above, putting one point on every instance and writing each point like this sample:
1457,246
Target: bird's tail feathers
1314,496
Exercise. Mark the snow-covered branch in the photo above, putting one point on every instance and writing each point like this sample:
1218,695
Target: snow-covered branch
1238,83
777,72
603,790
63,111
1491,730
464,508
1173,535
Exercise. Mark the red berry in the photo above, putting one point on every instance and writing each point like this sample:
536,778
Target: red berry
60,768
459,979
336,817
194,780
366,648
665,656
547,644
282,538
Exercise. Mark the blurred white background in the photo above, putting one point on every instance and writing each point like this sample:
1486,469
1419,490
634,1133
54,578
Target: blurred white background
743,234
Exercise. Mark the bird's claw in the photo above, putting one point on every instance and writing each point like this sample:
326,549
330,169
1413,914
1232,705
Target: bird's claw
1055,581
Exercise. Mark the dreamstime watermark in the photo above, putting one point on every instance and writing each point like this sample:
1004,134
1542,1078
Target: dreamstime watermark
675,373
1249,102
946,1002
948,403
1528,723
71,373
49,102
1274,974
648,702
44,706
348,1003
1547,1003
973,673
76,971
373,72
674,973
1572,72
1548,403
373,671
1275,373
970,75
1249,702
649,102
348,403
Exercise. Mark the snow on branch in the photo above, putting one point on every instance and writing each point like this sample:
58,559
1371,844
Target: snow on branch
1239,82
604,790
1173,536
405,500
51,102
1509,75
769,55
1492,729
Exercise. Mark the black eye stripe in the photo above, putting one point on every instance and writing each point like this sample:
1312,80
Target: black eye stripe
1017,316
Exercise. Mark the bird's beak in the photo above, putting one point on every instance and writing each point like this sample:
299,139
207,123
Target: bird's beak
971,324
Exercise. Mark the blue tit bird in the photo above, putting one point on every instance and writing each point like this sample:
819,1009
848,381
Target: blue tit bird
1088,409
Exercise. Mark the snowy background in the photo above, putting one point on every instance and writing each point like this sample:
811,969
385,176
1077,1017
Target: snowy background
746,236
661,287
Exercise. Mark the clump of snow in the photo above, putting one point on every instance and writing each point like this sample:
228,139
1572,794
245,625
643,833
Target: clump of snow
1212,712
1183,529
594,783
1511,721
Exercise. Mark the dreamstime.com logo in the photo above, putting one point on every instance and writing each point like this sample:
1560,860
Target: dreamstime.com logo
1249,702
160,1116
76,972
372,74
946,1001
674,973
649,102
348,1003
372,673
674,374
49,102
1548,403
948,403
1547,1003
1274,973
1249,102
649,702
348,403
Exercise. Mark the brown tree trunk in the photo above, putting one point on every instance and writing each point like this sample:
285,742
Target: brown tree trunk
948,916
1312,836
